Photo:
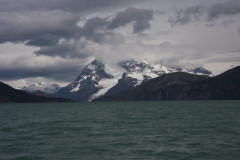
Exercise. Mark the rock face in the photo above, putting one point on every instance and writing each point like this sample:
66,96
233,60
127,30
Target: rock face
184,86
11,95
96,79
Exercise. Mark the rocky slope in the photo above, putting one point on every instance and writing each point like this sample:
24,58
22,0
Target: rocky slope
184,86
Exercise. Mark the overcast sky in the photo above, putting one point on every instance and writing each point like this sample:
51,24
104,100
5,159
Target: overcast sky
53,39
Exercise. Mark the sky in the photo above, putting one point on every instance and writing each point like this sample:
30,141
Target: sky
52,40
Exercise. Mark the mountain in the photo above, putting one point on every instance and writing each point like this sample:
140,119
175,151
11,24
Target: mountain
97,79
94,80
137,73
46,87
11,95
184,86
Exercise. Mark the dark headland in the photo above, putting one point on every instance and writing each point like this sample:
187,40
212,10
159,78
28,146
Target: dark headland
11,95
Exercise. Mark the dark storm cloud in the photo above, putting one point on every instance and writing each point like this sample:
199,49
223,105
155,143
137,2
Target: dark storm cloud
72,49
93,30
70,72
228,8
185,16
62,50
92,27
140,17
99,30
34,21
37,26
45,29
195,13
44,40
93,24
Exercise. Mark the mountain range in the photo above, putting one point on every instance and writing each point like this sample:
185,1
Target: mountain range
132,81
46,87
97,79
184,86
11,95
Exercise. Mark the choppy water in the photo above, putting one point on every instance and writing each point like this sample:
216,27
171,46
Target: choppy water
126,130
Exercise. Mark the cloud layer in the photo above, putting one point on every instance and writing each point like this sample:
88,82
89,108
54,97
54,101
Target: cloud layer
58,34
231,7
140,17
65,35
209,13
38,27
77,6
185,16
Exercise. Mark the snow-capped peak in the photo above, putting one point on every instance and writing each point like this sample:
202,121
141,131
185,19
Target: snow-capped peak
96,64
143,70
134,66
94,80
46,87
96,70
97,79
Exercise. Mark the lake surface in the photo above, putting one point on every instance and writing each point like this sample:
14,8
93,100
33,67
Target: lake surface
201,130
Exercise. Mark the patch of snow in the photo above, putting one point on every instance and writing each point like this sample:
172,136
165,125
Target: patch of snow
196,73
137,68
145,61
136,75
46,87
105,84
91,67
93,78
151,75
116,72
84,77
76,88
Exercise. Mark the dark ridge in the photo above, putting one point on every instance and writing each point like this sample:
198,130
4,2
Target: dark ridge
184,86
11,95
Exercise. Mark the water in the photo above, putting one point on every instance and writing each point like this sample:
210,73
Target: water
203,130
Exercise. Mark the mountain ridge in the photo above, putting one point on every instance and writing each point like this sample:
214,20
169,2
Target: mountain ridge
96,79
11,95
175,86
48,88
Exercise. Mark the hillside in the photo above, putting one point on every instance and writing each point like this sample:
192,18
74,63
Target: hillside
11,95
184,86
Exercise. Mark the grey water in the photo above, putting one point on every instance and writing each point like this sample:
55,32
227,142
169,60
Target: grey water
201,130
